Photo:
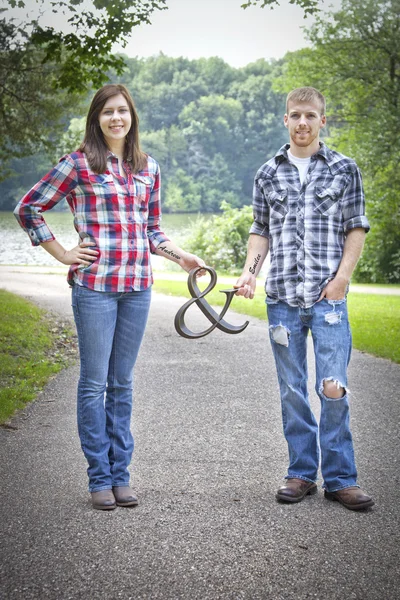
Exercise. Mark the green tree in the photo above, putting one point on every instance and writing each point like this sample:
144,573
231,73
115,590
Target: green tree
211,124
83,54
309,6
262,130
32,115
183,193
220,186
168,147
215,73
71,139
163,88
44,72
24,173
222,241
185,123
218,141
355,62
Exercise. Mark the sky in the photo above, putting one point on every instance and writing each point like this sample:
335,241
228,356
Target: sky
203,28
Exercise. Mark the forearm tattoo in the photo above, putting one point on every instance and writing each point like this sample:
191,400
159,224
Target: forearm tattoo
164,249
256,261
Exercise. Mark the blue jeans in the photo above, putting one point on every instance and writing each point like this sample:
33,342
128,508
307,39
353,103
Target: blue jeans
110,330
289,326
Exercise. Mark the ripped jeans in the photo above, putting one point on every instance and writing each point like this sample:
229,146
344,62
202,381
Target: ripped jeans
289,326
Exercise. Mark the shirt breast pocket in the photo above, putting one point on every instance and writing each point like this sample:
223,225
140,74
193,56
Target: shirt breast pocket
278,204
327,200
141,197
102,185
141,193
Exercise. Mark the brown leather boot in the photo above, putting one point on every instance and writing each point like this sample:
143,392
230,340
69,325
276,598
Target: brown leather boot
295,490
351,497
103,500
125,496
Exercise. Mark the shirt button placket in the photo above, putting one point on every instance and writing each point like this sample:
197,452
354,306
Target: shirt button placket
300,246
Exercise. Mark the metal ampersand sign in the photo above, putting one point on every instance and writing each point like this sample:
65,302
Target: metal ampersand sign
217,320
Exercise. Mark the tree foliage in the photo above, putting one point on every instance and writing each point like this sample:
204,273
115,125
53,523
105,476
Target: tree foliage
23,173
309,6
209,125
44,71
222,241
355,62
83,54
32,115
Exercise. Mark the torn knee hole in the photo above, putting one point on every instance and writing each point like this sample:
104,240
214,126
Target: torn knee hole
280,334
333,389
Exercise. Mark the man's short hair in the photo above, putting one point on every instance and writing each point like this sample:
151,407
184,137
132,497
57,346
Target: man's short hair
306,94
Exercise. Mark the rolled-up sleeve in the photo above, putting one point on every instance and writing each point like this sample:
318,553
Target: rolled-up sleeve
50,190
154,233
353,204
260,224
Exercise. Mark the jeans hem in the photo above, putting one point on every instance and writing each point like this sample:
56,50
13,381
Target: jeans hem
127,484
100,489
300,477
340,488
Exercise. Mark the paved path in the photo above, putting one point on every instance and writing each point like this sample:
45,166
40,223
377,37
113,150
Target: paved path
209,457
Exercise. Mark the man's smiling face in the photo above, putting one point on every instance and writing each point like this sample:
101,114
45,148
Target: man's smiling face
304,122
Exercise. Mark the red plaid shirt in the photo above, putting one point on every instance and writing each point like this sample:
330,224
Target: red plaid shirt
122,216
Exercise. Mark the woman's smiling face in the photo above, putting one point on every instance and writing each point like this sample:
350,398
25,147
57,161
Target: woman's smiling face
115,120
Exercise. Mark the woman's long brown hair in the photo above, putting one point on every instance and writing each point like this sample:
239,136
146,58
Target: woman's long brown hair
94,144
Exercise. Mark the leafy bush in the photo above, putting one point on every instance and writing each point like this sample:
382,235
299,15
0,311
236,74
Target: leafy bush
222,240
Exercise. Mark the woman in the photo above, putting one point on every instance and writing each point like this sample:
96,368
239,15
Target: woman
113,191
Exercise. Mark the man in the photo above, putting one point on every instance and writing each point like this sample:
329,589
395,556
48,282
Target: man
309,213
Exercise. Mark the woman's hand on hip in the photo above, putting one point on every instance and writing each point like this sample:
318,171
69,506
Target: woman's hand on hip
81,255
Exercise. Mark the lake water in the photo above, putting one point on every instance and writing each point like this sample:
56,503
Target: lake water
16,249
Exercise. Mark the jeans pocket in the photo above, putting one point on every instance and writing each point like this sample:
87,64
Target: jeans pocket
335,302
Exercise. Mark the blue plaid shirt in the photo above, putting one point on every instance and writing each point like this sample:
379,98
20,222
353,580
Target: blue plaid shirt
306,224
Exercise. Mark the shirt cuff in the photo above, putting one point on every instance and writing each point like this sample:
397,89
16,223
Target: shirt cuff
155,239
360,222
40,234
259,229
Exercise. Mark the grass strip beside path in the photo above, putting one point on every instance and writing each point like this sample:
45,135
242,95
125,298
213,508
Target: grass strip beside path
375,319
33,347
375,324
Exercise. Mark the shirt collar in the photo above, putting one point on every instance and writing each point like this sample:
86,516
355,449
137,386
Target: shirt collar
323,151
111,156
144,178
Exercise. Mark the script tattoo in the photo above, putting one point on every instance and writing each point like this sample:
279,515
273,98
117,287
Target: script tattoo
164,249
256,261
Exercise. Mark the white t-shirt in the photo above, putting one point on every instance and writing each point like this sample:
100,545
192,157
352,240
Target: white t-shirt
301,164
